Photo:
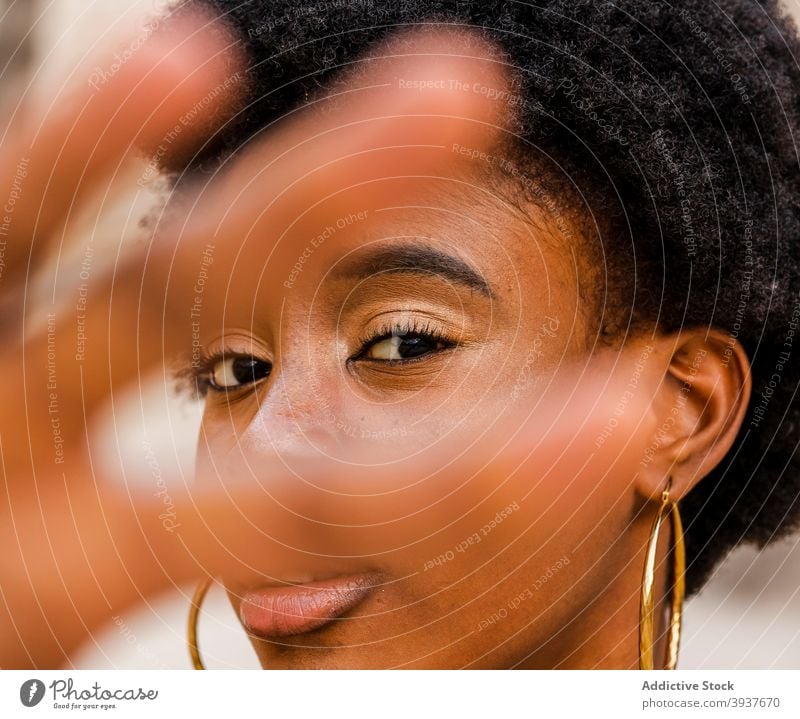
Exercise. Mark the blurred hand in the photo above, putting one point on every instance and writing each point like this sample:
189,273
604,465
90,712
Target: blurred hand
81,550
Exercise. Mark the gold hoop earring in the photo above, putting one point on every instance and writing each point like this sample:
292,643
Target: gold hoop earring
647,600
194,613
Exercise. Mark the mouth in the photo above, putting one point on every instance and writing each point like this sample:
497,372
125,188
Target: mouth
271,612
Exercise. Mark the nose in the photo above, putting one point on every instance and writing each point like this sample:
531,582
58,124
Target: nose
295,416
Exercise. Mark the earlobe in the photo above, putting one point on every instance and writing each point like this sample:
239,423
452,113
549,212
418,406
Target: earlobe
703,400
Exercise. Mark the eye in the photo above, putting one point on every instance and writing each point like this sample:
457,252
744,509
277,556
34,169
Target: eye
403,346
228,373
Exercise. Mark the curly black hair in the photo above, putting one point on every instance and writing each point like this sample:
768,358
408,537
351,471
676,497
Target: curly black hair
676,123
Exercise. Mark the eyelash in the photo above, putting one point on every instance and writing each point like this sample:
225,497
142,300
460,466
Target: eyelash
407,327
197,377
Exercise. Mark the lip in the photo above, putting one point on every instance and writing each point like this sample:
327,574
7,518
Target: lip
271,612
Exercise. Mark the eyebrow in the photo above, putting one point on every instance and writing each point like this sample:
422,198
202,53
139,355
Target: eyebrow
417,259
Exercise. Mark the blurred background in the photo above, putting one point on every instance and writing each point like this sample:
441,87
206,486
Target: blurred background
748,616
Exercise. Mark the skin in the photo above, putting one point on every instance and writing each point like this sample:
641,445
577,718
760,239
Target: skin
357,429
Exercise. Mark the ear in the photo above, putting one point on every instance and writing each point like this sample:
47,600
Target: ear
700,406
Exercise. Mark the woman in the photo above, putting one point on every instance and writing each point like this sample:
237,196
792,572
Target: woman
412,237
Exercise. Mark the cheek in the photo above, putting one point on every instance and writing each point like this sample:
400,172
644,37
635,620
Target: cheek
457,396
217,439
525,561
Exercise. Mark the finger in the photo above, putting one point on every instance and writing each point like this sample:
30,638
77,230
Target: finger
178,86
254,518
398,116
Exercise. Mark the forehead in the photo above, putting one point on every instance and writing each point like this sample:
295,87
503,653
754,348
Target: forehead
467,216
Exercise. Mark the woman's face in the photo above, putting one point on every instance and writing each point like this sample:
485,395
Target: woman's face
389,303
425,317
